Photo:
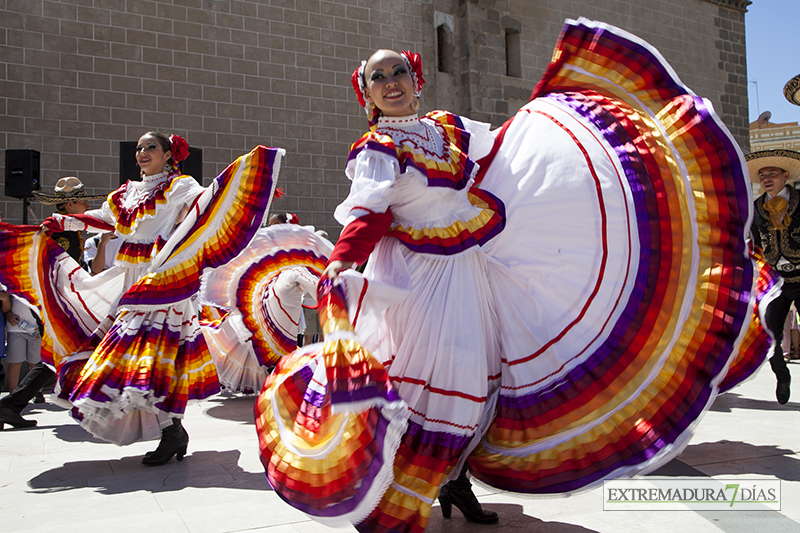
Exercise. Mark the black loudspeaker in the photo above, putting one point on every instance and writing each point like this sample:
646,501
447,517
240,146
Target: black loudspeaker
22,173
193,164
128,170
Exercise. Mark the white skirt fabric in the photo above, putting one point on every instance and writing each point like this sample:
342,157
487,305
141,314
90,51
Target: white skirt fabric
253,304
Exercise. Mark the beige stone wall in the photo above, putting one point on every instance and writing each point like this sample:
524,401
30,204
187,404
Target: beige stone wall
79,76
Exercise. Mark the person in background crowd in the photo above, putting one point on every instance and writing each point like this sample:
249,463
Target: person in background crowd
100,251
5,306
24,341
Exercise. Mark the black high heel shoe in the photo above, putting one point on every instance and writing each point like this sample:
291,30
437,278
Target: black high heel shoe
445,503
459,493
174,441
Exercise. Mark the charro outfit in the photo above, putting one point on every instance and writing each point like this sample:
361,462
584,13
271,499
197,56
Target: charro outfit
72,242
127,343
781,248
68,189
589,210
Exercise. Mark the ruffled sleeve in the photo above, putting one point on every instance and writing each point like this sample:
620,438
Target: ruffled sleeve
185,191
135,202
103,213
372,174
365,213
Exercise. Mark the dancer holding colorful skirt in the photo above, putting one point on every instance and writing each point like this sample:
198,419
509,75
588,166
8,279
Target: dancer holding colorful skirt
554,303
127,343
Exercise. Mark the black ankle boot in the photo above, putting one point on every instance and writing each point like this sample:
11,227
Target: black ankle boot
459,493
9,416
174,441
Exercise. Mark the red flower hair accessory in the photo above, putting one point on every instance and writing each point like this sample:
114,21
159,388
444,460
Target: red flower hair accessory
179,148
291,218
357,79
414,62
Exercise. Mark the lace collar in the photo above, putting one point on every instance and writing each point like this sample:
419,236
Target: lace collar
155,178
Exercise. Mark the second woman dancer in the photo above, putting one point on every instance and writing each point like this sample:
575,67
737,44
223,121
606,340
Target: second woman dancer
127,342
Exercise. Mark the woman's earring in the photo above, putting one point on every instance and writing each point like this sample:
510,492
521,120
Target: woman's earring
167,167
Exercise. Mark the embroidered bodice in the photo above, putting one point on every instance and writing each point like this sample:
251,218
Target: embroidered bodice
422,168
145,213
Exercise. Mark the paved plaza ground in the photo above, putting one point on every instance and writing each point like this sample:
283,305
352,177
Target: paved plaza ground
57,477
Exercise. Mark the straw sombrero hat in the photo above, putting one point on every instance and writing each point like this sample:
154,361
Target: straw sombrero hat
66,190
792,90
788,160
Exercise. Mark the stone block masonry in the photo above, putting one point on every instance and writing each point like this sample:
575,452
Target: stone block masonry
79,76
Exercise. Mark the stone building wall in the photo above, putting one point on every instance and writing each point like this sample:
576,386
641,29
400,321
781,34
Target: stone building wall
703,40
79,76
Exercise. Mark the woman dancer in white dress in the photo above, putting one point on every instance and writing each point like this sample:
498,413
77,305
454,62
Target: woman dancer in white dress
127,343
561,316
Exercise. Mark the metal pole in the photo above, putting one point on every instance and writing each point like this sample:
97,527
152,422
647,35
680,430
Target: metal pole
758,102
24,211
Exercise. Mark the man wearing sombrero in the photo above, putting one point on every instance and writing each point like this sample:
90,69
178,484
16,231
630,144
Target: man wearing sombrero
70,198
776,229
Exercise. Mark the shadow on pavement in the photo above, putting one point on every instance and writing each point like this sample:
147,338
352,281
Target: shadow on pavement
202,469
730,400
33,408
233,408
512,519
75,433
734,458
69,432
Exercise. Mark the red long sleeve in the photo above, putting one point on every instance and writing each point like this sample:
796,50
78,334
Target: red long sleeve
360,236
